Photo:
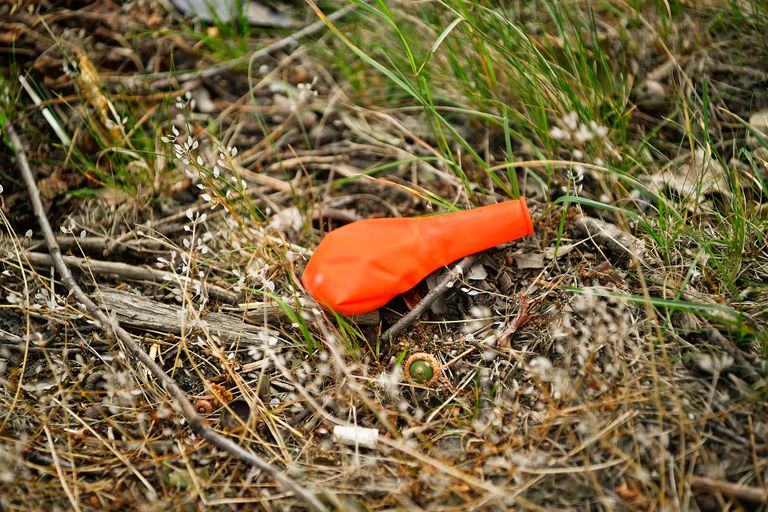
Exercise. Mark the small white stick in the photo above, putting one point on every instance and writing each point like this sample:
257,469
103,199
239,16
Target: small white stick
356,436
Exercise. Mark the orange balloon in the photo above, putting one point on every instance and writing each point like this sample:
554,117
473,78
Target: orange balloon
363,265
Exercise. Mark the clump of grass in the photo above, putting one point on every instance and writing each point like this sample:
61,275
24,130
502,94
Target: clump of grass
514,72
551,81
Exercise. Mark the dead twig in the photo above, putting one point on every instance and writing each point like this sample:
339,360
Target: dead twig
131,272
304,160
59,472
620,243
742,492
99,244
16,343
196,422
150,315
435,293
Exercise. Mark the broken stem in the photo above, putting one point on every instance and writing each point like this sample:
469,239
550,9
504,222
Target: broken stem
435,293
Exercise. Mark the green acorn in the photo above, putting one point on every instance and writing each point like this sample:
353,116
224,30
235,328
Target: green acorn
422,368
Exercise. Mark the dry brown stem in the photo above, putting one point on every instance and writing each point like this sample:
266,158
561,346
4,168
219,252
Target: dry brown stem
742,492
434,294
126,271
147,314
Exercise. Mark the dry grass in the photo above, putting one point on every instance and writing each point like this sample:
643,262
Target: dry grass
621,375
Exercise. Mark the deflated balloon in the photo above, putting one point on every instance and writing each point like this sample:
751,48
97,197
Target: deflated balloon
363,265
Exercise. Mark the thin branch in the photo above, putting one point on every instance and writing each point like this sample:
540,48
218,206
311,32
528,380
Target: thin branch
146,314
155,225
99,244
130,272
742,492
435,293
196,422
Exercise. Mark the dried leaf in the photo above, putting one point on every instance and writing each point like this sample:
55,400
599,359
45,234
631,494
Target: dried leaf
505,282
759,123
628,492
694,179
438,307
477,273
236,415
88,81
529,260
610,237
412,297
362,127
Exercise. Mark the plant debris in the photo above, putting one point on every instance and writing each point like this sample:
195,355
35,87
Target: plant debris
613,360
